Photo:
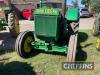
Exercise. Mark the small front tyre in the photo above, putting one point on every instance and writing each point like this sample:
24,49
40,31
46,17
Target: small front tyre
23,44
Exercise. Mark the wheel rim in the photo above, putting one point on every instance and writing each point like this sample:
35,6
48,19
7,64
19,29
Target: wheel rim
97,42
27,43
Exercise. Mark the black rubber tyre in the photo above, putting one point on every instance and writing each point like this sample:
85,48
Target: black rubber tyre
96,27
13,24
23,42
72,46
98,44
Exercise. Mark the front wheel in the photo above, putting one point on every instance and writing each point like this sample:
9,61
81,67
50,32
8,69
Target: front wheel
23,44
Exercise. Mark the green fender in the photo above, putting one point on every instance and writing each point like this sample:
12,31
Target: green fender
72,14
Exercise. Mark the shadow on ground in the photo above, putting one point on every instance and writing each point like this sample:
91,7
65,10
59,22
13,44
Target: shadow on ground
6,42
16,68
81,54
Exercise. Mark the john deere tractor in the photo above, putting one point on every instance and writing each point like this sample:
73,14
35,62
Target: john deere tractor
56,30
96,31
10,19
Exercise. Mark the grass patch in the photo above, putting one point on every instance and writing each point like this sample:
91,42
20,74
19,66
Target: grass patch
49,64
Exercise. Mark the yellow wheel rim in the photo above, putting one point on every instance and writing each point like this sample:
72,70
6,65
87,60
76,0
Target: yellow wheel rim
97,42
27,44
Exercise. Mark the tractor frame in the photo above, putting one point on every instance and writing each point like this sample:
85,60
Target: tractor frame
55,31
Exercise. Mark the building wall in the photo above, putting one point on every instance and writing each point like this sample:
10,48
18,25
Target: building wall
57,1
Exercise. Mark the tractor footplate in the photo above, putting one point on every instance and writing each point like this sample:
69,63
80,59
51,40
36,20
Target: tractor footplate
40,45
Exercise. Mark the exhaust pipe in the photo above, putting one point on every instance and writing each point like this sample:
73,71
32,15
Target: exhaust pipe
64,8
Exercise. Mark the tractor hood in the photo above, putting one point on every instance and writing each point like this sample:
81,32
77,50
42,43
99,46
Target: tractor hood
72,14
46,23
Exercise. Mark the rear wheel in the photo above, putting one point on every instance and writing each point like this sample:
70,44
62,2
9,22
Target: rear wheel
23,44
98,44
72,48
72,43
13,24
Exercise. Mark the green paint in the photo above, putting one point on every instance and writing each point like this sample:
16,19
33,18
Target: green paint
41,45
72,14
40,3
6,10
3,22
46,26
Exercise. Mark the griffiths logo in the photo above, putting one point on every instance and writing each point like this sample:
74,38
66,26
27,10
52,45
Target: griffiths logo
46,11
78,65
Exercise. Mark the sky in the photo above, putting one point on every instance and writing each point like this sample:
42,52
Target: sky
69,2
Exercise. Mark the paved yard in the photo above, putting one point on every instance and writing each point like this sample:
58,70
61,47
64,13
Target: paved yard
7,42
86,23
26,25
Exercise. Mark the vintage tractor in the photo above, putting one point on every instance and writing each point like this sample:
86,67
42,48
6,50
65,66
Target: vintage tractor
96,31
10,19
56,30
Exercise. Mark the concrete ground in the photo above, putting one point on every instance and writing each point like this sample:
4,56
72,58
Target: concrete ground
86,23
7,42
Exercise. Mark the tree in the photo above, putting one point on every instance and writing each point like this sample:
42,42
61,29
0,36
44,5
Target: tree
96,6
75,3
86,3
93,4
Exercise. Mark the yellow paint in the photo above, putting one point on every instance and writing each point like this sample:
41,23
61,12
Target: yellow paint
97,42
26,44
46,11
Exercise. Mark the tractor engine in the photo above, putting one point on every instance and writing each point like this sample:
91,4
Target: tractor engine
49,25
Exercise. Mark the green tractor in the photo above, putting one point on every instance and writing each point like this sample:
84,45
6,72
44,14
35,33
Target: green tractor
10,19
96,31
56,30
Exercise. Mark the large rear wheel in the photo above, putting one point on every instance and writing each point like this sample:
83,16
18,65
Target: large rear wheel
72,46
23,44
13,24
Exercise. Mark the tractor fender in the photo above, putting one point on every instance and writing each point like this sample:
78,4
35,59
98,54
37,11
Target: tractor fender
72,14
